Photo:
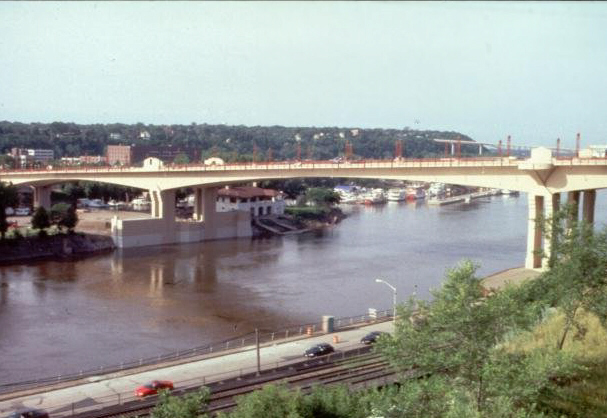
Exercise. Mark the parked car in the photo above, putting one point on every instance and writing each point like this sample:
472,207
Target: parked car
22,211
321,349
153,387
29,413
372,337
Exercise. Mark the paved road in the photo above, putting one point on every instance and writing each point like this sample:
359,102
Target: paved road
110,390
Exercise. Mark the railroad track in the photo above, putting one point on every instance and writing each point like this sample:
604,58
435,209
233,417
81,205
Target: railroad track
355,370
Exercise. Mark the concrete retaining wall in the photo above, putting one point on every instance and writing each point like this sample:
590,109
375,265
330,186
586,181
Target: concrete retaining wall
128,233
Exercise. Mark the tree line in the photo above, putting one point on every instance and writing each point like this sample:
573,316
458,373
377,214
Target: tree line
232,143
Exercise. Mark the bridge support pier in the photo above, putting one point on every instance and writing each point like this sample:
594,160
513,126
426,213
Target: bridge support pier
42,197
545,207
163,204
588,206
205,209
538,244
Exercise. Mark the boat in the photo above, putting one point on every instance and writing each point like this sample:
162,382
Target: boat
415,192
141,204
374,197
437,189
397,195
113,204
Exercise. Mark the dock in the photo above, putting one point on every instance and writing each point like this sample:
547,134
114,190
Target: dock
460,198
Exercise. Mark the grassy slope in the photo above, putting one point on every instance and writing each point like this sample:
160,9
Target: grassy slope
585,396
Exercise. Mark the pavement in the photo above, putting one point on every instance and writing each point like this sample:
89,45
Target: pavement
117,388
511,276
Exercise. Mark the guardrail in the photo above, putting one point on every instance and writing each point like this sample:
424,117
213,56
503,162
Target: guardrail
188,354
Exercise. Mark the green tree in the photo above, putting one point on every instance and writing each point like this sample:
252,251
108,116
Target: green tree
181,159
462,333
577,278
63,215
192,405
322,196
41,220
269,402
8,198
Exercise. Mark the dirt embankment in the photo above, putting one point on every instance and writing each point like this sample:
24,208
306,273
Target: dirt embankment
53,247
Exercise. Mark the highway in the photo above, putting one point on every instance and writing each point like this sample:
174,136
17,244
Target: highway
105,391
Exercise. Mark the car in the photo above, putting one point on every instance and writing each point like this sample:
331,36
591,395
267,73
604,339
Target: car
29,413
321,349
22,211
372,337
153,387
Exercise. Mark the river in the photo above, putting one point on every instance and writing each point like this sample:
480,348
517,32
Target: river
61,317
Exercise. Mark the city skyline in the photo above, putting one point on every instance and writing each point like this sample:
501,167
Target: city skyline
530,70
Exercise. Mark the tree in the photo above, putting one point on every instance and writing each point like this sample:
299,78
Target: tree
41,220
322,197
192,405
64,215
577,278
181,159
278,402
270,402
461,335
8,198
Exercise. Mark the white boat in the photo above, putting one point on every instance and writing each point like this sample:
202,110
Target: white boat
116,205
97,204
437,189
397,195
141,204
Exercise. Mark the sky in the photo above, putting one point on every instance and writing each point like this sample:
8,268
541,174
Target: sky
536,71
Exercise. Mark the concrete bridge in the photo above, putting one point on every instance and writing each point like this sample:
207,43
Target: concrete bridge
543,177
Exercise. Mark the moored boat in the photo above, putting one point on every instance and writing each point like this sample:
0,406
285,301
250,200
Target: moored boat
397,195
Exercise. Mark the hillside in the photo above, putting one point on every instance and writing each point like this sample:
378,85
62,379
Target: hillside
233,143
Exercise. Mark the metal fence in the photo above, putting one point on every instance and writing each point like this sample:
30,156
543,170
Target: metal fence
244,341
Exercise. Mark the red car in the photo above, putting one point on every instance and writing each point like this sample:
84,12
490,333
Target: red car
153,387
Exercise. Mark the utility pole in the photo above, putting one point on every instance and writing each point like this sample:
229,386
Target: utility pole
258,357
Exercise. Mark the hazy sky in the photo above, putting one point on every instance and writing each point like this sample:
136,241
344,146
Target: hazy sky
536,71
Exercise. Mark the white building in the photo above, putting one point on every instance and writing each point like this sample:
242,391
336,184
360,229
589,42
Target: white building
255,200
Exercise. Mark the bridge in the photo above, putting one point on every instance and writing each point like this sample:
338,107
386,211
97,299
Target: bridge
543,177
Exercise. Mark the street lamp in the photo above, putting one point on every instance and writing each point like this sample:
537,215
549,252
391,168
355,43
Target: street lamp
394,300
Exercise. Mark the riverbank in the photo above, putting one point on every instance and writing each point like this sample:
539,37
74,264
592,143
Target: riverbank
60,246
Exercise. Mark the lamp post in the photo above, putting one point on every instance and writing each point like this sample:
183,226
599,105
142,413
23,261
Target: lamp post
394,297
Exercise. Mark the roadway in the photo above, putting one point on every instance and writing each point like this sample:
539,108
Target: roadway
104,391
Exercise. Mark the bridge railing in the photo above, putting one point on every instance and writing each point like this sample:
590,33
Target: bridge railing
273,165
195,352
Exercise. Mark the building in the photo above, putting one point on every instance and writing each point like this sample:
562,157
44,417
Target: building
92,159
166,154
28,157
135,154
118,154
255,200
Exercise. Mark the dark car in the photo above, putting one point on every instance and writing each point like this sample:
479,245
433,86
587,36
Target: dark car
372,337
319,350
29,413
